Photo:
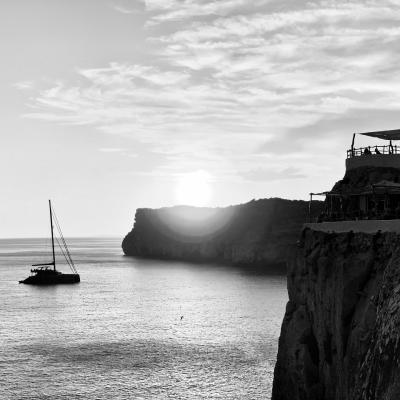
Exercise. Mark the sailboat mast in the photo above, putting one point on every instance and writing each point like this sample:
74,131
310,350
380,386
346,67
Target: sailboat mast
52,236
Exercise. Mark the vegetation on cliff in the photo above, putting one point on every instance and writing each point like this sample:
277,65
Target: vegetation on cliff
260,233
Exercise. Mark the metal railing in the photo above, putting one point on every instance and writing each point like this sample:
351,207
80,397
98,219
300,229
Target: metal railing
358,215
373,150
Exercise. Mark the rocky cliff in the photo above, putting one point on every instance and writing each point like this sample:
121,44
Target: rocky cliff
360,179
259,233
341,332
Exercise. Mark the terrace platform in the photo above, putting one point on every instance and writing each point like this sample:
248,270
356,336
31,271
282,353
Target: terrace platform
389,158
365,226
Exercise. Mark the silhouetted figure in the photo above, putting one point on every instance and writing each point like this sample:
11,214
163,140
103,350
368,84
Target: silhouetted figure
181,317
377,151
367,151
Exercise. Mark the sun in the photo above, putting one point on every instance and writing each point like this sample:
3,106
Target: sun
194,189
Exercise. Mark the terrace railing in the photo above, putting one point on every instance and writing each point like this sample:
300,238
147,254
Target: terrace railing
357,215
363,151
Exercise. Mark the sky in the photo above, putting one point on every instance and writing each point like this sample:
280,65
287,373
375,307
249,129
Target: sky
111,105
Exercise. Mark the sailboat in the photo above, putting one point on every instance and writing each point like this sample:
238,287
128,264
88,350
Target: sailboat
46,273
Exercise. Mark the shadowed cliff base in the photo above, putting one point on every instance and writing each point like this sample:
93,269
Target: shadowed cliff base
340,335
258,235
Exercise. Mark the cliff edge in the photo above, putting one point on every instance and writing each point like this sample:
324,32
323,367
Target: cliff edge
341,331
258,233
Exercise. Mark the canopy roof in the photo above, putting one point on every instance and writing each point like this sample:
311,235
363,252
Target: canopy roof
393,134
388,184
383,186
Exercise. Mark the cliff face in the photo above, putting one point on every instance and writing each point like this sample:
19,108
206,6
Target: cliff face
340,336
258,233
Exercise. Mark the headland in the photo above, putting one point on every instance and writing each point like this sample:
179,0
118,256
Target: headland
260,233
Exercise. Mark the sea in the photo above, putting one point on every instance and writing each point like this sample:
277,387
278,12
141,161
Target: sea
135,328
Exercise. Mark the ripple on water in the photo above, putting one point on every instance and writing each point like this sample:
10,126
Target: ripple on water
118,334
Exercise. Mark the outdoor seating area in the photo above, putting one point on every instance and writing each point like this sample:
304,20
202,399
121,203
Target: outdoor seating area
389,136
376,155
380,201
375,212
371,150
374,200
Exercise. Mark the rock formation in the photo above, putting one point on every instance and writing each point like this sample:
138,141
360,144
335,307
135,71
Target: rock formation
341,331
362,178
258,233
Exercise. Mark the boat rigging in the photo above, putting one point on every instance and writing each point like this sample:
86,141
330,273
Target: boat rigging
43,274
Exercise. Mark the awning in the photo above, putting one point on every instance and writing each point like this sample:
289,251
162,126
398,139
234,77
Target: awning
387,184
325,194
319,194
393,134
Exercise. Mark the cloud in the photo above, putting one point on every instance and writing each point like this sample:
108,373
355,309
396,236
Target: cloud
111,150
234,85
170,10
24,85
124,10
269,175
123,74
128,7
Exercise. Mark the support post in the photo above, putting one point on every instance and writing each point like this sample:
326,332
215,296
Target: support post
352,145
309,208
52,236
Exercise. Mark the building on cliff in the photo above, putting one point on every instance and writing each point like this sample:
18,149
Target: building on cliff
340,336
366,195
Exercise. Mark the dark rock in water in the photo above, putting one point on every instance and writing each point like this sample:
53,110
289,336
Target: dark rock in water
259,233
341,332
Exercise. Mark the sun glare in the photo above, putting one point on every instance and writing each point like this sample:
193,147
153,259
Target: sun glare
194,189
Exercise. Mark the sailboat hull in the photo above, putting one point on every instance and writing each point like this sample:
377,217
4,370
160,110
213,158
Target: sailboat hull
51,277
